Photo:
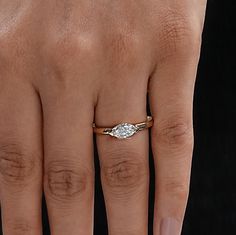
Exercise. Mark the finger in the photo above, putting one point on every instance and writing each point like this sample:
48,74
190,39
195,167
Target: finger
20,158
171,100
68,145
124,163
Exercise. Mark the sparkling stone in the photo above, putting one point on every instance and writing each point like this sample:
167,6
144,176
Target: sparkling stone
123,130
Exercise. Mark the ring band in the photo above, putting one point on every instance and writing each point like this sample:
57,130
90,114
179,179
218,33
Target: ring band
124,130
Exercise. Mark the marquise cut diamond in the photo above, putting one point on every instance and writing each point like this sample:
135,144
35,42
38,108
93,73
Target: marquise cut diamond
123,130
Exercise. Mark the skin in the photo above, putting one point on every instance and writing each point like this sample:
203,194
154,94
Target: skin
66,64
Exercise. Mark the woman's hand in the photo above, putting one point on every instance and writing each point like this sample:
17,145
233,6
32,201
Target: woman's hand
67,64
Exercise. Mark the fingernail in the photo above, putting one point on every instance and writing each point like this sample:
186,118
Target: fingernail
170,226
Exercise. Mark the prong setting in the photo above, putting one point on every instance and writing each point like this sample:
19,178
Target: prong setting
123,130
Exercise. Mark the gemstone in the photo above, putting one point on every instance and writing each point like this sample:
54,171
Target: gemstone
123,131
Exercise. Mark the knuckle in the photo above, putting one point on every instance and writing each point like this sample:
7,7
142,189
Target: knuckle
178,34
66,51
21,227
174,132
124,172
123,48
16,164
67,48
65,180
176,189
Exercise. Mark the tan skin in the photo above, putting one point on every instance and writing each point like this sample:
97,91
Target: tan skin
66,64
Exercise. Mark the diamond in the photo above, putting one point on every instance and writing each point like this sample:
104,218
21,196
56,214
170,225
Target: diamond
123,130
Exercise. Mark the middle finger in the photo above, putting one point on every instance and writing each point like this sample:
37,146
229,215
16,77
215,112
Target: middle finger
68,107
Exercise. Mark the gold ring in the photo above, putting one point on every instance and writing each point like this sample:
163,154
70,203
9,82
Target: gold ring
124,130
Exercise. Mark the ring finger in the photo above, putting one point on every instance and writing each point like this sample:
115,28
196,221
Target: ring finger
124,163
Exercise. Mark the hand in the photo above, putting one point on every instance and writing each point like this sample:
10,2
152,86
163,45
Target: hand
67,64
